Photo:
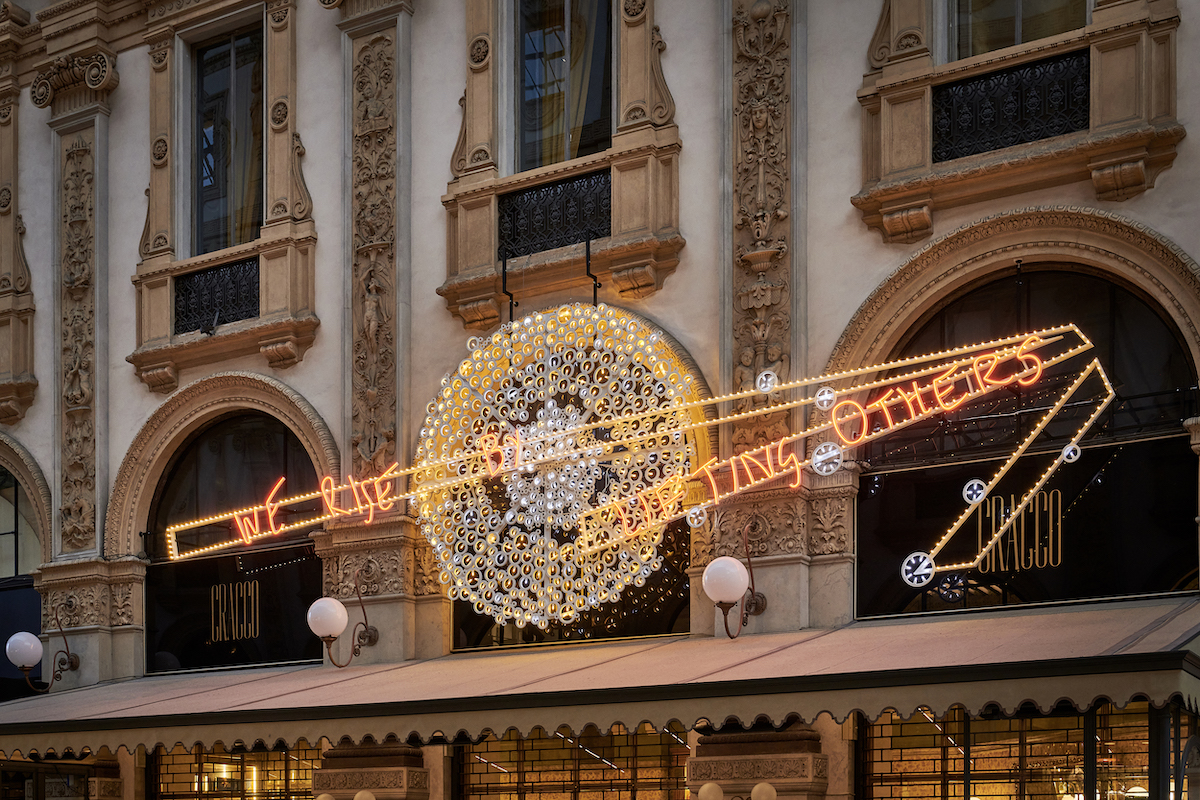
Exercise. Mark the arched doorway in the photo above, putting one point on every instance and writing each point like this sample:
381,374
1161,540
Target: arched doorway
239,605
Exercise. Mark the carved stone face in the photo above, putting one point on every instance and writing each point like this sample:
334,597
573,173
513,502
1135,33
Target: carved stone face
759,116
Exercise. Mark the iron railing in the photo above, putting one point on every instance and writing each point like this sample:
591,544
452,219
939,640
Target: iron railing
213,296
555,214
1018,105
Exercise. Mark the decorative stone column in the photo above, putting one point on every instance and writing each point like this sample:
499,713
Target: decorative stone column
762,198
391,771
17,383
398,579
790,760
97,600
831,525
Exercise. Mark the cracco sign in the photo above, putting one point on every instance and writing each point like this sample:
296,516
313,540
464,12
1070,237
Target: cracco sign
556,454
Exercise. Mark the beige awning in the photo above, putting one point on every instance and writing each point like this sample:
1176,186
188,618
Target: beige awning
1116,651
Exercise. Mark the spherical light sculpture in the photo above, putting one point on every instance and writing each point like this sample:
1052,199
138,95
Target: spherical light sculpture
725,580
327,618
24,650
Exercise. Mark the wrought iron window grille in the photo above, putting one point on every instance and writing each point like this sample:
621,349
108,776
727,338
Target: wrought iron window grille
557,214
1014,106
213,296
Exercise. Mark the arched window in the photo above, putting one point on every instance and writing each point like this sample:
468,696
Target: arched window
20,555
1120,521
244,602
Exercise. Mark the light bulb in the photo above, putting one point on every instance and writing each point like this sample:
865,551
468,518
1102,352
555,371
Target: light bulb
24,650
327,617
725,580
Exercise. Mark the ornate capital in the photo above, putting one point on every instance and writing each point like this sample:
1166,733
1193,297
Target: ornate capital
97,72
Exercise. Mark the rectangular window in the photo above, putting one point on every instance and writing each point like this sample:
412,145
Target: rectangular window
228,146
986,25
564,100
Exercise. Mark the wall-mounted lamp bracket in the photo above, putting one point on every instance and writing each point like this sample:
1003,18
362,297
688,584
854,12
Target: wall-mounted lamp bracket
365,634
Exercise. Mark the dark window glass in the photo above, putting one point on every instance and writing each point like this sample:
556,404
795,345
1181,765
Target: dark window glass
228,169
986,25
20,555
564,102
1120,521
244,604
20,548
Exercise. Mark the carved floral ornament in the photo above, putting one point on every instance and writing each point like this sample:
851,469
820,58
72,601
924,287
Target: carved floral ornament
762,197
97,72
373,396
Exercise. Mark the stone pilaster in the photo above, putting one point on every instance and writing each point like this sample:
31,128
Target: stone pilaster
762,164
17,381
789,760
97,602
391,771
832,504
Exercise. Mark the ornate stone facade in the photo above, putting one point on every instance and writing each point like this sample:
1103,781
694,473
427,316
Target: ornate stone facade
17,381
1131,137
78,303
643,247
762,211
373,209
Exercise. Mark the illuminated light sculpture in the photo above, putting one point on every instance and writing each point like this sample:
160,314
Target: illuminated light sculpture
554,456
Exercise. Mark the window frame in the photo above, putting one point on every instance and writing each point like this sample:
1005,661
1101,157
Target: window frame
286,324
509,86
189,169
947,47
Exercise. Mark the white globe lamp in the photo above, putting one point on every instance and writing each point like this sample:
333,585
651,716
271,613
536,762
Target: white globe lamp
327,618
725,580
24,650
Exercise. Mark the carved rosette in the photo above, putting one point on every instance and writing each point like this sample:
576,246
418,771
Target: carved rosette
373,387
78,510
762,206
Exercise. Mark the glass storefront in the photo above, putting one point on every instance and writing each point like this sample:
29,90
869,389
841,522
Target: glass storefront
622,765
1105,752
237,774
1116,522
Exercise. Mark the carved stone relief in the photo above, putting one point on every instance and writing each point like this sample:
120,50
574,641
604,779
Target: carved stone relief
77,606
425,575
830,529
775,525
78,510
762,206
373,389
380,571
